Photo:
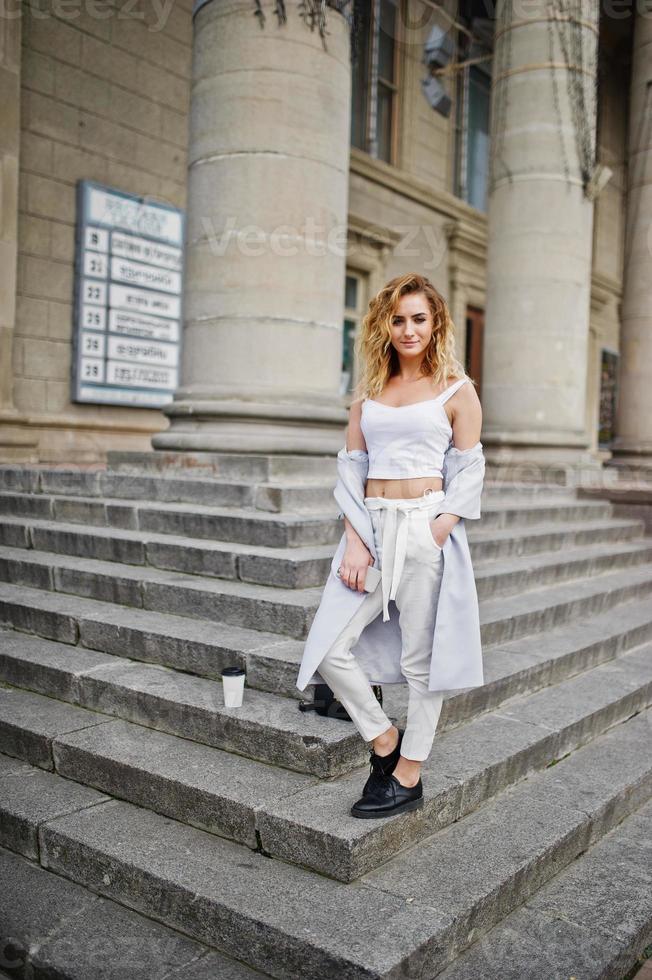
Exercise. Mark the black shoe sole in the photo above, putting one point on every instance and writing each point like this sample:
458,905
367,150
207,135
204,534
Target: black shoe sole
403,808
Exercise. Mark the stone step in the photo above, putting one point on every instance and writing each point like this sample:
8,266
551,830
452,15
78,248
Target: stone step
591,921
296,497
261,528
292,568
226,466
61,929
276,466
292,494
536,538
305,821
509,576
186,643
466,767
300,567
228,524
217,791
265,727
510,617
175,702
290,611
272,662
440,897
262,607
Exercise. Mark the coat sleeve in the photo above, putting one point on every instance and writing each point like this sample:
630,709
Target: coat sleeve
463,480
352,465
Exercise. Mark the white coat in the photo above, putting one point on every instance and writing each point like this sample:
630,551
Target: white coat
456,660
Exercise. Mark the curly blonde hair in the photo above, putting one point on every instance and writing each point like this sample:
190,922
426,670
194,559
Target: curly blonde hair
373,346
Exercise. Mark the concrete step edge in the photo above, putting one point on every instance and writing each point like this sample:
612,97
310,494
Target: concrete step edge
62,929
266,727
284,816
239,513
308,599
272,660
301,598
290,611
313,827
308,551
218,892
597,507
496,555
549,596
34,475
593,919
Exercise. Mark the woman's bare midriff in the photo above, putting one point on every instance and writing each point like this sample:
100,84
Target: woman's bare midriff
408,488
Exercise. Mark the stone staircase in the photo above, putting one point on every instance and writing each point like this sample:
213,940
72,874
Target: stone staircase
131,797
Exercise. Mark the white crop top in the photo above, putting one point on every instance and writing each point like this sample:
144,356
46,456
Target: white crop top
407,441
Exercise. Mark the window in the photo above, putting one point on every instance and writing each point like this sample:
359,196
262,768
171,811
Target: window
353,300
608,398
474,344
473,110
374,81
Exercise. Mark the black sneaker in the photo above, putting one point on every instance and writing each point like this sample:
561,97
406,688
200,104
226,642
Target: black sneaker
387,798
382,764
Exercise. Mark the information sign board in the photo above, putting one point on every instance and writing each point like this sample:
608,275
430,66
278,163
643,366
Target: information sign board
128,296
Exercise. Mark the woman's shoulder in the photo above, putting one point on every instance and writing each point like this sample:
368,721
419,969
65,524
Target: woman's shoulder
451,380
463,390
355,406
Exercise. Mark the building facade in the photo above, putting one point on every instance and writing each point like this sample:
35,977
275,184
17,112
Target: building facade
504,150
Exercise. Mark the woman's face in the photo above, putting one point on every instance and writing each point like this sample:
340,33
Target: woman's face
411,326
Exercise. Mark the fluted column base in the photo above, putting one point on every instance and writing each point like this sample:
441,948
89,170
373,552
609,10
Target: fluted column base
238,425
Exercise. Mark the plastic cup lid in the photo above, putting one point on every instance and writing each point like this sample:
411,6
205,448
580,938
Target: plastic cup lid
232,671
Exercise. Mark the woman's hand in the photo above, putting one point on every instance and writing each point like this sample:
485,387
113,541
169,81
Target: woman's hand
441,527
356,560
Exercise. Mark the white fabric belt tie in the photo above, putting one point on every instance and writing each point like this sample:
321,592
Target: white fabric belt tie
395,536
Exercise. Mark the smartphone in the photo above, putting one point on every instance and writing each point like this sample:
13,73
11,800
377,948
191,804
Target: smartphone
372,578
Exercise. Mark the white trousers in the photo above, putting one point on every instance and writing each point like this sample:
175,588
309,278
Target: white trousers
411,567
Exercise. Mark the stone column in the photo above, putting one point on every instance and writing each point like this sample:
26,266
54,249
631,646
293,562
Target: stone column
16,445
540,231
10,24
267,205
633,444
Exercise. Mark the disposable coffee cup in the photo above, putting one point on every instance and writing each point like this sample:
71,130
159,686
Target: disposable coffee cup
233,679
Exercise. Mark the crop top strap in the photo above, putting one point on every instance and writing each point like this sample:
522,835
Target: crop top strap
453,388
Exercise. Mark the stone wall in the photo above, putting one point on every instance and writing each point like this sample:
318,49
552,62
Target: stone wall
105,98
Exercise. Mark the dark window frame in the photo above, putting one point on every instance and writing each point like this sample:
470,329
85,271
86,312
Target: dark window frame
374,83
466,50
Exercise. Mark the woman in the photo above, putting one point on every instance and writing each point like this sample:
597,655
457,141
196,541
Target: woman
415,399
